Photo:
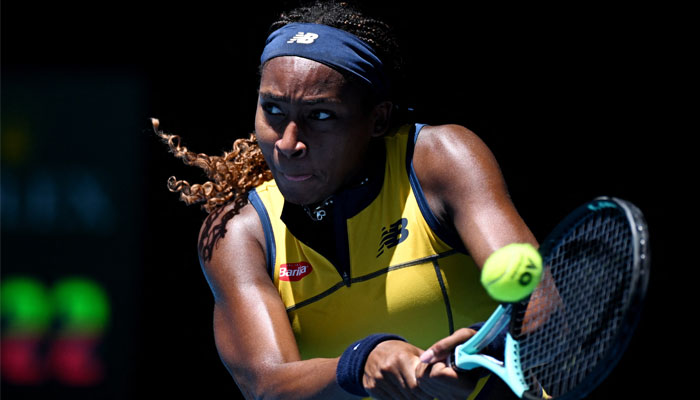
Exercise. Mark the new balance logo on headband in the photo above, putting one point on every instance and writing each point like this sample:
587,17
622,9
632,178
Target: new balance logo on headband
303,38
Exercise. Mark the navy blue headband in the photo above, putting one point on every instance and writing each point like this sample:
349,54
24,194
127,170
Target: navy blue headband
336,48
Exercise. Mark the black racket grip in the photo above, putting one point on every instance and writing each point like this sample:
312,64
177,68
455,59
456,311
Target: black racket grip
451,361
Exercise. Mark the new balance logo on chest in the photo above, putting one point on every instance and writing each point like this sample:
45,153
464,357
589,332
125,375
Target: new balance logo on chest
395,234
303,38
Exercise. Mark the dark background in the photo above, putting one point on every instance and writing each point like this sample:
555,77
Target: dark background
574,101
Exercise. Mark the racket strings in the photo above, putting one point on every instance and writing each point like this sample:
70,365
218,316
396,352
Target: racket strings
580,303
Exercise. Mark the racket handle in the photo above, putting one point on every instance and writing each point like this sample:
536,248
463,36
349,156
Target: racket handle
451,360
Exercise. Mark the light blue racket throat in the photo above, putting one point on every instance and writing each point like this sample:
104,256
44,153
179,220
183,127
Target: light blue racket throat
510,371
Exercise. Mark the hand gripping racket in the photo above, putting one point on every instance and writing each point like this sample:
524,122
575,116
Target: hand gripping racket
564,339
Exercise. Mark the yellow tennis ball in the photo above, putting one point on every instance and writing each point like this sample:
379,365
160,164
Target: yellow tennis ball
512,272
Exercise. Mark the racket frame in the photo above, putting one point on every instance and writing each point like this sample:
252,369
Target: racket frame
466,356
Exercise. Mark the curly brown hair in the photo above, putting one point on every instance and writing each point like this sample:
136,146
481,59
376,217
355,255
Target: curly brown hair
231,175
235,173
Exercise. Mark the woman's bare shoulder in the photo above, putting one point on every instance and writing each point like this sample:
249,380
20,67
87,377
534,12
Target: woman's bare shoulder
229,239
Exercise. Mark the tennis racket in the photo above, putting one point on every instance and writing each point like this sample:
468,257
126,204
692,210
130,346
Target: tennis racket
567,336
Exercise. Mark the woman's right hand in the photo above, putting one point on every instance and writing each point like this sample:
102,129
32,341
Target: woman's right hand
390,371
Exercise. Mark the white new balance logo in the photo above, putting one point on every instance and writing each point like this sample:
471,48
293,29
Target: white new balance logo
303,38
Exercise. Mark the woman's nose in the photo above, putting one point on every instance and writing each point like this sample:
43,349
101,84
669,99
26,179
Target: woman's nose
289,144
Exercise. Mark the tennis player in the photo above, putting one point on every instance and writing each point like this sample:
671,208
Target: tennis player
342,247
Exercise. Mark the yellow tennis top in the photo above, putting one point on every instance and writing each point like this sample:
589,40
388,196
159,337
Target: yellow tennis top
400,277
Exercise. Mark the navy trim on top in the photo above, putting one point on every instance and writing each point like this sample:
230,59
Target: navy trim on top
447,235
255,201
445,298
432,258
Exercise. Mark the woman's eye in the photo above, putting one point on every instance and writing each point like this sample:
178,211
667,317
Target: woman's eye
272,109
321,115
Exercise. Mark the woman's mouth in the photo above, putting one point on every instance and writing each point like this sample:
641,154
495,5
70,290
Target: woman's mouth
296,178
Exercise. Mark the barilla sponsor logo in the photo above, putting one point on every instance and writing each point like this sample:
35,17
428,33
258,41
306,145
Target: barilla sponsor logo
294,271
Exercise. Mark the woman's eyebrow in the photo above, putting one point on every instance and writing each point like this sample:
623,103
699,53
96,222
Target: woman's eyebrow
286,99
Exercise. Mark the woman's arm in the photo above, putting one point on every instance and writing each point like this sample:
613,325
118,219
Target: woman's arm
252,332
465,189
254,337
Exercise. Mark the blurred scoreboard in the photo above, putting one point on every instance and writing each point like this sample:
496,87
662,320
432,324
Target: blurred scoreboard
71,217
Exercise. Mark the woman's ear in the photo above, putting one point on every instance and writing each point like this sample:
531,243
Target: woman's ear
381,115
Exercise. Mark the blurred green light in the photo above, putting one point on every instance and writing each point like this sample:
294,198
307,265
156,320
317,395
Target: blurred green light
81,306
24,306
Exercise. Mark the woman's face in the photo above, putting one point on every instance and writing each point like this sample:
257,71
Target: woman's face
313,127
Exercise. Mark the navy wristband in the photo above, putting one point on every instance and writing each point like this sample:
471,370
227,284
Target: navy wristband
351,366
